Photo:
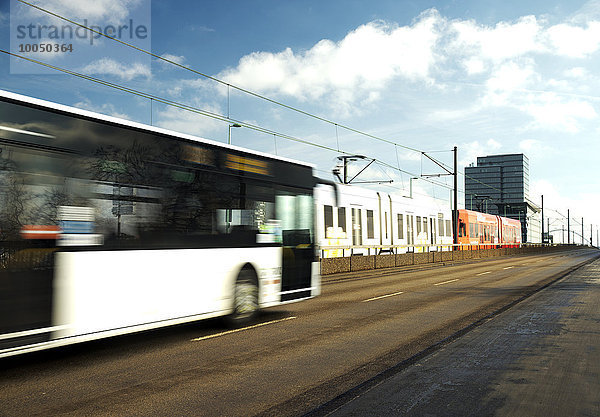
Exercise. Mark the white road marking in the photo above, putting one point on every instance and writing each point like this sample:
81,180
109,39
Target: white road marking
212,336
446,282
508,267
485,273
382,296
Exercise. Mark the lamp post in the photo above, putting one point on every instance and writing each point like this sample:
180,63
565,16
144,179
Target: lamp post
229,135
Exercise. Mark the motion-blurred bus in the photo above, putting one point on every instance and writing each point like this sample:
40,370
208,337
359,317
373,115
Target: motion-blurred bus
109,227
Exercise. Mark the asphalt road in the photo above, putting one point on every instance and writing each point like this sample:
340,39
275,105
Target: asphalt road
540,358
295,358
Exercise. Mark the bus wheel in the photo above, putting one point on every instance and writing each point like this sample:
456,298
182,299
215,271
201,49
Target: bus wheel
245,299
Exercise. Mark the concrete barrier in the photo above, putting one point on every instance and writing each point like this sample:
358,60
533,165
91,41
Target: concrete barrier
385,261
447,256
404,259
362,263
335,265
423,258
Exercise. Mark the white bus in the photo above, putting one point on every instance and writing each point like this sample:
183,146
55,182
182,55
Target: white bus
110,227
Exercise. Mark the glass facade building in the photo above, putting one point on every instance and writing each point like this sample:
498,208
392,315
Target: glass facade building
499,184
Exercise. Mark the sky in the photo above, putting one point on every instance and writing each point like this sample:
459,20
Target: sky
489,77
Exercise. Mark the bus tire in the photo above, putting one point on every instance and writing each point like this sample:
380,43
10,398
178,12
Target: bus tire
245,298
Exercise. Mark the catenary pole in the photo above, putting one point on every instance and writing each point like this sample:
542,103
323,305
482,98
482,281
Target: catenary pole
568,227
543,218
455,211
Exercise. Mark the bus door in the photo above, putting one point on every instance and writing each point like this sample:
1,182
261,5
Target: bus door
296,217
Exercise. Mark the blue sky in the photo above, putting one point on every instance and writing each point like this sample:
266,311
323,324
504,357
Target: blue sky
486,76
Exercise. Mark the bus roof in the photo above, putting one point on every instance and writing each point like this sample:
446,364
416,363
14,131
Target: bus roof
136,125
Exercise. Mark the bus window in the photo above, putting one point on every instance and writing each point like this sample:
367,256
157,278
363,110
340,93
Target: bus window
342,218
328,217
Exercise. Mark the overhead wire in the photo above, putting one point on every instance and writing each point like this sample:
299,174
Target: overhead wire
196,110
244,90
217,80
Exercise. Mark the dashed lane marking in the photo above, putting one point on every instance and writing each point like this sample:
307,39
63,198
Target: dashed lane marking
212,336
485,273
446,282
509,267
382,296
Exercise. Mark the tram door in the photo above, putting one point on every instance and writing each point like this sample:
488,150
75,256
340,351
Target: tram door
432,228
356,227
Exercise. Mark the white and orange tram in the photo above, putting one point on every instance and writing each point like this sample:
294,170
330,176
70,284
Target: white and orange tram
366,221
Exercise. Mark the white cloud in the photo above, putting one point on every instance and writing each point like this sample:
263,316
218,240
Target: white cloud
111,67
510,76
528,36
106,108
178,59
576,73
355,68
93,10
504,41
506,59
470,151
529,144
474,65
574,41
184,121
539,147
551,111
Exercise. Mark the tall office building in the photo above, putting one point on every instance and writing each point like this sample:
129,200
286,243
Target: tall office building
499,184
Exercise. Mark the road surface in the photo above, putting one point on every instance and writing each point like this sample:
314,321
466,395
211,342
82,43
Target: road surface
294,359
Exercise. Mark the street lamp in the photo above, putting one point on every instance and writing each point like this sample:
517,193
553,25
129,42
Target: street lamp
229,135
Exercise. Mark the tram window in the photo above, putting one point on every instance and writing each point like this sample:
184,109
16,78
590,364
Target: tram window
400,226
328,213
370,225
342,218
440,225
386,227
448,228
462,229
418,225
